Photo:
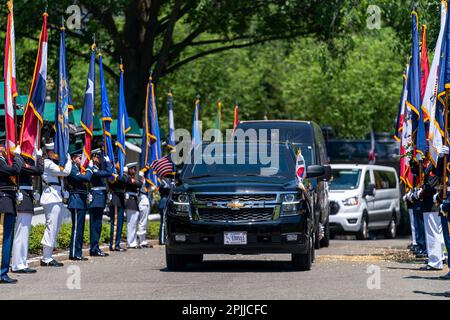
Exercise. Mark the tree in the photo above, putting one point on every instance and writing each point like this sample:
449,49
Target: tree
145,33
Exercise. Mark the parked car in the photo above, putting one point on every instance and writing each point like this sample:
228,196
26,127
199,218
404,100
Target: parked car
306,136
229,208
364,198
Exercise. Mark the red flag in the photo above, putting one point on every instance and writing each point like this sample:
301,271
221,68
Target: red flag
10,85
236,117
424,65
34,111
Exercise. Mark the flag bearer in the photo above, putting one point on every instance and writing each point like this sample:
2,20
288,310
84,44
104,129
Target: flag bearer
133,185
445,211
53,198
78,186
8,208
98,204
25,211
145,204
116,199
433,227
419,227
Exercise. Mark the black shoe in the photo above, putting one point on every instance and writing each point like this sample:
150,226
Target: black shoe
146,246
7,280
421,255
52,263
446,277
78,258
25,271
98,254
120,249
429,268
136,247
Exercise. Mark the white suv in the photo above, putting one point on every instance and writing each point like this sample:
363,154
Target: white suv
363,198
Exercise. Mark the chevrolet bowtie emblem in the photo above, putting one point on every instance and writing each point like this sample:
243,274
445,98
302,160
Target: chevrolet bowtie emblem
235,205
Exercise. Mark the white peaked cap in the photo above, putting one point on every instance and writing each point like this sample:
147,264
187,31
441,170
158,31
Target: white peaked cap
50,146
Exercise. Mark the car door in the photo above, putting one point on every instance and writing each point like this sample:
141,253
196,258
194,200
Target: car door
382,200
367,182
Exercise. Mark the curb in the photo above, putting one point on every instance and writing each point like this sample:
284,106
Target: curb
64,257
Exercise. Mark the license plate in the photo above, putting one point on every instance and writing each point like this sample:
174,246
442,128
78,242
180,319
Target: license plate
235,238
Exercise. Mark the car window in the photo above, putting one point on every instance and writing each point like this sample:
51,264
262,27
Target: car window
366,180
385,179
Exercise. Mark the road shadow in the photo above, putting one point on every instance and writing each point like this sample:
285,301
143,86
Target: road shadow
411,269
434,294
238,266
425,278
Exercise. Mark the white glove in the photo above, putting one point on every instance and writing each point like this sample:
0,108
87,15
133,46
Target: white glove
106,159
418,193
91,164
435,197
68,156
141,174
39,152
125,169
17,151
443,151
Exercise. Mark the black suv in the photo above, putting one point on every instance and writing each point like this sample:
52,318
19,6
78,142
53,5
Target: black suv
307,136
240,206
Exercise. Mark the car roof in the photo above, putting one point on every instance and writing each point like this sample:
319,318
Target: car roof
362,166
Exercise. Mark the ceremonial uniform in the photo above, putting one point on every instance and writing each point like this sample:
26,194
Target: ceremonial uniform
98,204
7,211
54,209
133,185
116,211
25,211
419,227
78,184
145,204
432,221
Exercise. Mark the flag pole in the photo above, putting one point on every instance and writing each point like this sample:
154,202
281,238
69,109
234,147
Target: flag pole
444,179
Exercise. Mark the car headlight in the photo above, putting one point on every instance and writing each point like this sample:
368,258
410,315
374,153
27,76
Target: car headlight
354,201
181,204
290,204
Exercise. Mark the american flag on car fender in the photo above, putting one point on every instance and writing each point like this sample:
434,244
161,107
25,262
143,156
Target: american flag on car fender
163,167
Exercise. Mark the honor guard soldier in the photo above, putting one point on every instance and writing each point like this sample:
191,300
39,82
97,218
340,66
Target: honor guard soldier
25,211
133,185
101,171
116,199
432,222
8,207
444,212
419,227
52,199
145,204
78,187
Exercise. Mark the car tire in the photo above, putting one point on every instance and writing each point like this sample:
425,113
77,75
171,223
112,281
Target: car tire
363,233
303,261
325,242
391,231
176,262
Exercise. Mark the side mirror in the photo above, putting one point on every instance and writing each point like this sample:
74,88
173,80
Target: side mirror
328,173
370,190
315,171
178,173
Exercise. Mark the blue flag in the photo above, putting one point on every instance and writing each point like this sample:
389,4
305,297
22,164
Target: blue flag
154,131
123,125
196,128
63,105
106,118
414,97
147,137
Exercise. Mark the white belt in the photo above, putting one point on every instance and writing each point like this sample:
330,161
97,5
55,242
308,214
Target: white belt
98,189
26,188
132,193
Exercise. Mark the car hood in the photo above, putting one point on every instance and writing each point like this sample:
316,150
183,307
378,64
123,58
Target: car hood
337,195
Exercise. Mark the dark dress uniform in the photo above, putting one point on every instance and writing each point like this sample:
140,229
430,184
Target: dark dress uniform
25,211
77,185
116,211
7,210
133,186
98,204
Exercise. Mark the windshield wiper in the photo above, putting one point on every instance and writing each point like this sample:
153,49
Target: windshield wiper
201,176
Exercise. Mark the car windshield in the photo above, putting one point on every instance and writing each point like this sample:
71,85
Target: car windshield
345,179
307,153
221,160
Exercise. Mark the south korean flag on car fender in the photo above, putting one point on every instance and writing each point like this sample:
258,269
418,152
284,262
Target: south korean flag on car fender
300,169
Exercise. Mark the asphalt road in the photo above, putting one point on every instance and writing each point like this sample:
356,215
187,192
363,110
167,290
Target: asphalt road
340,272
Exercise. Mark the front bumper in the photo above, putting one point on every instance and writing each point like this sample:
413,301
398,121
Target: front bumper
262,237
346,221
